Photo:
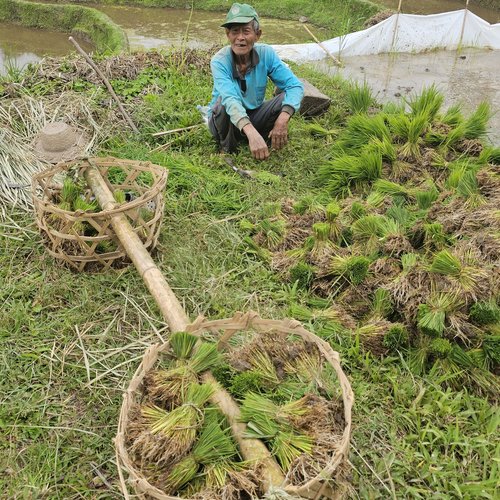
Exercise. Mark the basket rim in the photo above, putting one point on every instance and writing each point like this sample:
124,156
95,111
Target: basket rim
41,203
240,321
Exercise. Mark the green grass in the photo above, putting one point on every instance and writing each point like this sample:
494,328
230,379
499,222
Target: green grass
70,342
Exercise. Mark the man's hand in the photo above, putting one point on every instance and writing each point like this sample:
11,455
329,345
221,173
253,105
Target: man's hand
256,143
279,133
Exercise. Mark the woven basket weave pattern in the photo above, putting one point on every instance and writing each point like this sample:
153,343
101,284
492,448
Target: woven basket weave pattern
223,330
78,250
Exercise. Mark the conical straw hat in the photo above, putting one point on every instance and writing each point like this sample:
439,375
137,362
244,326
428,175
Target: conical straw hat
58,141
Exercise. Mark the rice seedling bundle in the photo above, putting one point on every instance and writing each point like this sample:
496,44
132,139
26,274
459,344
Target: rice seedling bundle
290,386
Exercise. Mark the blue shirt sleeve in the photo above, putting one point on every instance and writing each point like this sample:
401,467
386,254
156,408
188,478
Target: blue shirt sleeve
225,87
283,77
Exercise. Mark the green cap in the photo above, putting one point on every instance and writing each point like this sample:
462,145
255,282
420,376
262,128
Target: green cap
240,13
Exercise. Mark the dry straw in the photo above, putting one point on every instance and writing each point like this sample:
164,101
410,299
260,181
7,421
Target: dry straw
77,249
320,486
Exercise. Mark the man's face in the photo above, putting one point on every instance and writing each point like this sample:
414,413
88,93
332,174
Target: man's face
242,38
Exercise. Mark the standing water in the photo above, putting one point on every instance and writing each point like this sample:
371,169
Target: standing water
146,28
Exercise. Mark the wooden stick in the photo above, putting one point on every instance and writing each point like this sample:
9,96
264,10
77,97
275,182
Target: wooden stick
335,60
175,130
171,309
106,82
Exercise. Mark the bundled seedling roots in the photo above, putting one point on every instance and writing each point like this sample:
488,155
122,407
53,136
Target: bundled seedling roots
411,199
174,444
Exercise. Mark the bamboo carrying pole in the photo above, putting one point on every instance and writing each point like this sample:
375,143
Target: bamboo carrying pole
251,449
93,65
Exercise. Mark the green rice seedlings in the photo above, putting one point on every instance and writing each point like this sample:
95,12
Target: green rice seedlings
431,321
485,313
338,174
359,97
247,381
268,421
384,147
491,349
271,209
70,192
453,116
440,348
426,198
299,312
322,243
213,445
368,231
353,269
476,125
316,130
467,277
172,382
247,226
182,344
416,128
396,338
180,425
308,204
332,211
431,316
409,261
273,232
468,188
119,196
429,103
401,215
375,199
282,414
457,170
489,154
302,274
390,188
454,136
83,205
383,305
218,474
370,167
361,129
253,248
262,362
434,236
357,211
287,446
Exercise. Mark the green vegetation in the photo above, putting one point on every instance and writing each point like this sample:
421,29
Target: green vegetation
75,19
70,342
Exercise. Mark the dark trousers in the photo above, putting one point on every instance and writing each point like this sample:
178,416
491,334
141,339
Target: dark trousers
228,135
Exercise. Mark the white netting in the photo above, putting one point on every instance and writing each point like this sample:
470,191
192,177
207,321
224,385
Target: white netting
404,33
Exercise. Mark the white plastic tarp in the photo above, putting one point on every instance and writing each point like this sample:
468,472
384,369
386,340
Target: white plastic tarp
404,33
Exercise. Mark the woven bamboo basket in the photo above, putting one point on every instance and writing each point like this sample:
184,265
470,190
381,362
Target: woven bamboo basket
323,486
143,181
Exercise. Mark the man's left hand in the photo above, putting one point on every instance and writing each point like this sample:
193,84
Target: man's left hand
279,133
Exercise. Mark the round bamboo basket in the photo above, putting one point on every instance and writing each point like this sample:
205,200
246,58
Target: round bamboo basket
323,486
144,181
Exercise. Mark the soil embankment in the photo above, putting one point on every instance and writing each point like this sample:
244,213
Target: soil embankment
78,20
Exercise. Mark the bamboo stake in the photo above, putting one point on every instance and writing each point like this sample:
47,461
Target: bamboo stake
171,309
93,65
463,24
334,59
